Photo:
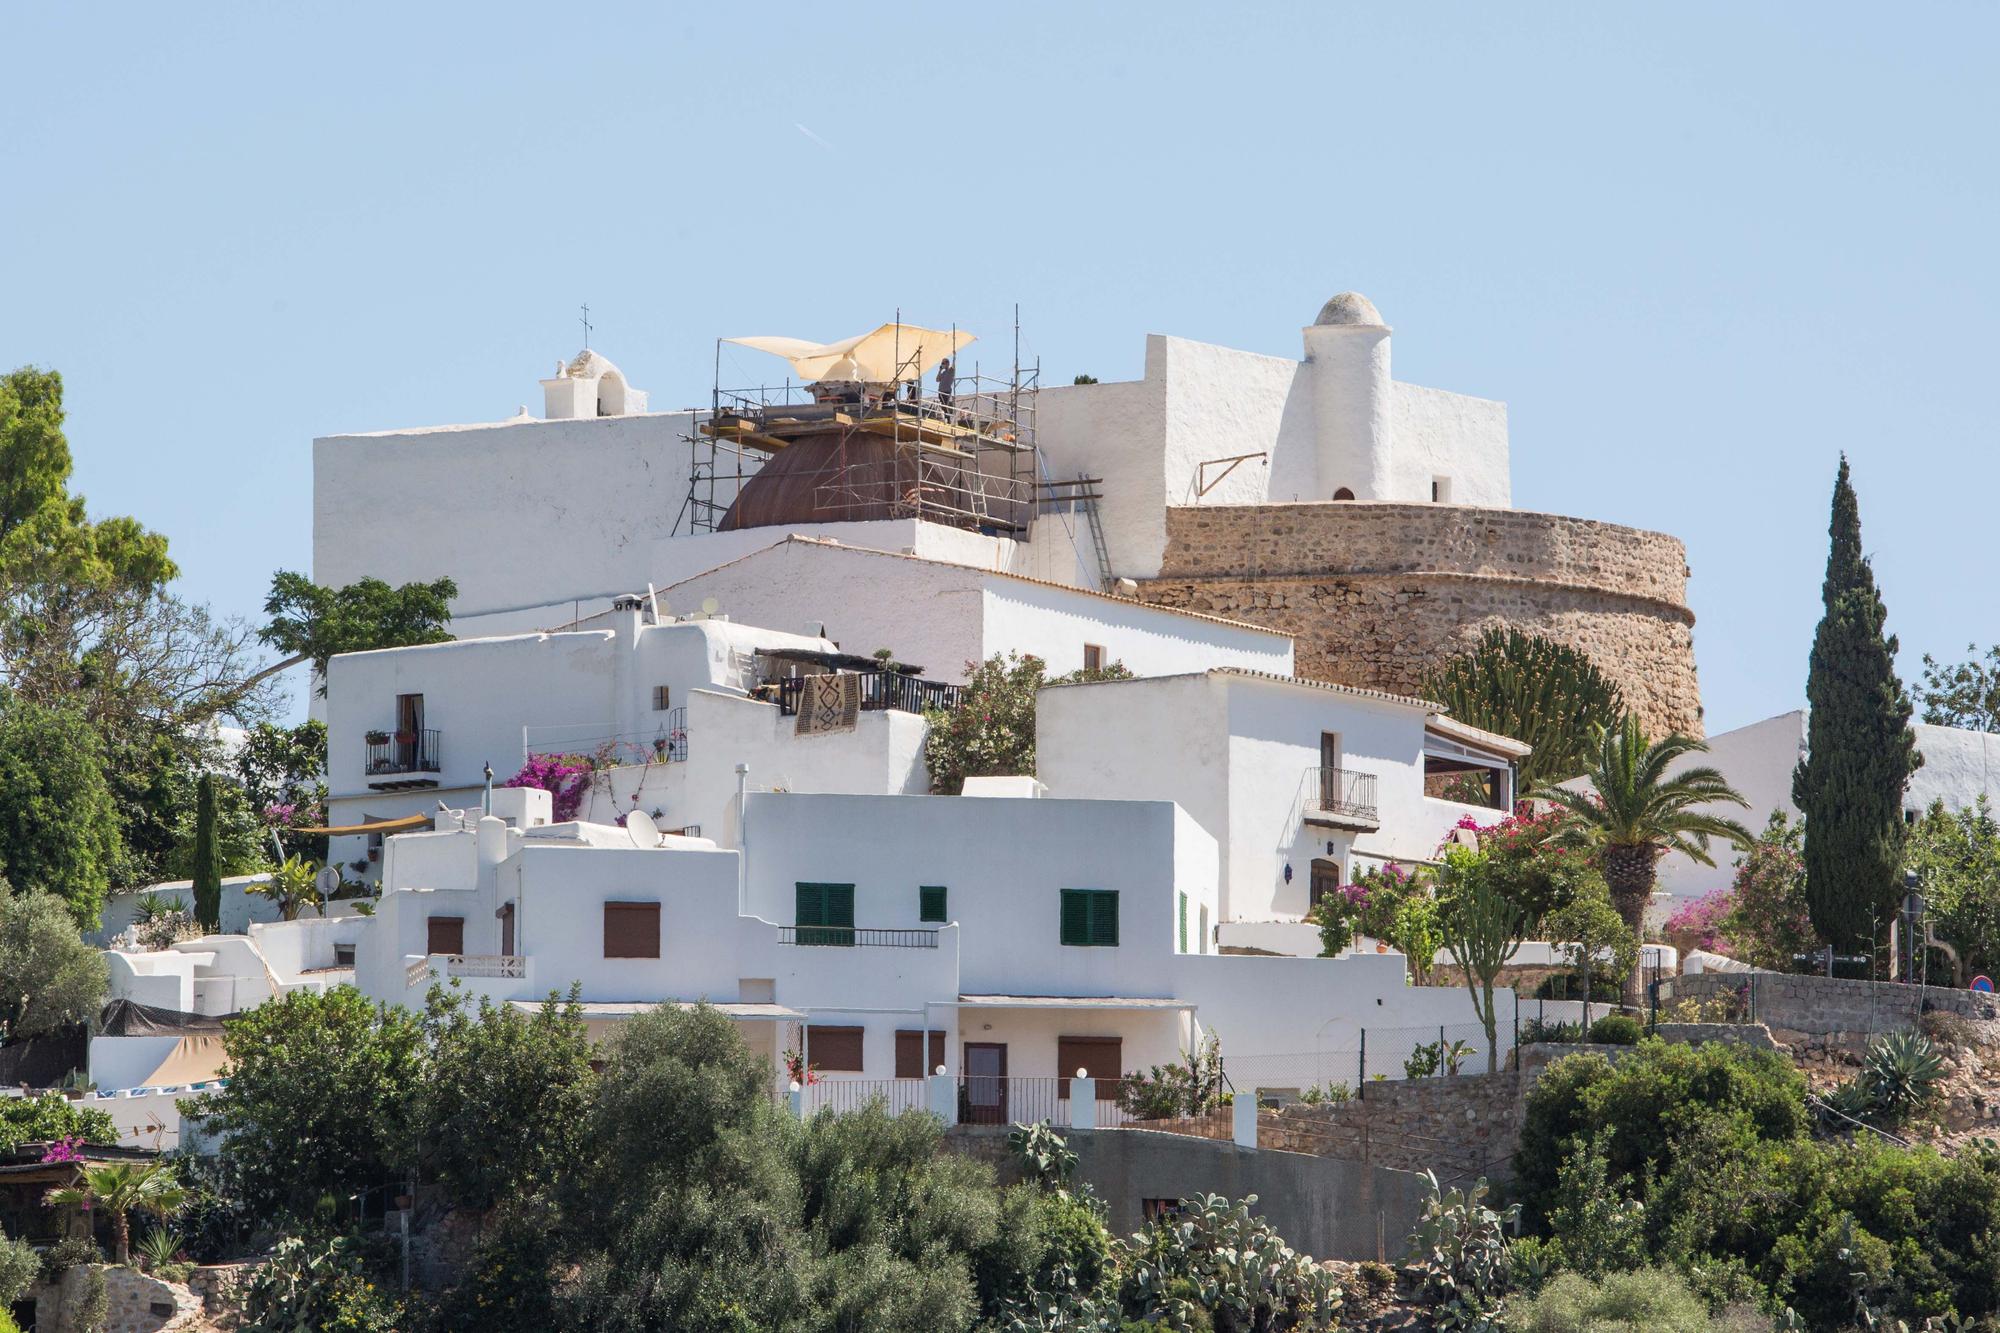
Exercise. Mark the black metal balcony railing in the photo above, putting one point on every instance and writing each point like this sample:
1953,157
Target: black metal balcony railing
847,937
1342,792
880,690
404,752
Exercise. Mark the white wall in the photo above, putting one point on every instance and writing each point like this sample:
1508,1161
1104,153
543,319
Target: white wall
1452,435
240,908
1055,623
520,513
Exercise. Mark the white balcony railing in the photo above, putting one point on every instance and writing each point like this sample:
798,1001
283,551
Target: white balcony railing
505,965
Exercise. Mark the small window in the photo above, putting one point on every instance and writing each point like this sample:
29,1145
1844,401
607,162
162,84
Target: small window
1090,918
631,930
1441,490
1343,494
930,903
343,955
662,698
1325,880
1183,921
833,1050
910,1061
1093,657
445,934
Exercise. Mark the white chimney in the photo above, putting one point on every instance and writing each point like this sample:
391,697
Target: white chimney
1348,350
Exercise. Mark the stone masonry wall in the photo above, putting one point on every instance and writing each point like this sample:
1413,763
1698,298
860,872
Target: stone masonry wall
1831,1011
1460,1127
1377,594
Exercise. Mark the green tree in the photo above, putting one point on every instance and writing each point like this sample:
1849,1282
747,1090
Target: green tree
58,830
311,623
119,1189
239,843
1769,920
1539,692
992,731
318,1103
1598,940
1482,931
1956,856
293,885
283,771
1962,694
49,978
207,871
1860,751
49,1117
1638,809
498,1075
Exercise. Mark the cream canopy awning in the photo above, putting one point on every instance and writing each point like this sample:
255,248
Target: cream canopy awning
891,353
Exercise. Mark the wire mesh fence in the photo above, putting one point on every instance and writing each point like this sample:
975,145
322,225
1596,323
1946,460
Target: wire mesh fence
1373,1055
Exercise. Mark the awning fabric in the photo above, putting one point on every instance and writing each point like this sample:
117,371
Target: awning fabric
196,1058
407,824
893,352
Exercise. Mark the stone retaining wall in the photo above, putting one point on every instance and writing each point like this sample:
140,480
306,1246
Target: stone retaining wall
1376,594
1462,1126
134,1303
1830,1006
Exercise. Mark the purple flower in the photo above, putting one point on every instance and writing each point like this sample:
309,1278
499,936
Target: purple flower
64,1150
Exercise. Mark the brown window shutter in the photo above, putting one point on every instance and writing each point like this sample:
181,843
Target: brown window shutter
446,934
833,1050
1102,1058
631,930
909,1054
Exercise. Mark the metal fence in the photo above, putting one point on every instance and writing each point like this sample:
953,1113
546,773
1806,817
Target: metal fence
842,1095
1373,1055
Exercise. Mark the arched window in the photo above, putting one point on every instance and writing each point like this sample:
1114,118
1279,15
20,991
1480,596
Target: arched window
611,394
1343,494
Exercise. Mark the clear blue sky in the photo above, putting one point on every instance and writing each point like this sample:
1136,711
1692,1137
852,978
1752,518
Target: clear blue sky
1699,250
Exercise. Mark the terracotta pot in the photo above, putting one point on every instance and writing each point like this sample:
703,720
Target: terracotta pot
1381,947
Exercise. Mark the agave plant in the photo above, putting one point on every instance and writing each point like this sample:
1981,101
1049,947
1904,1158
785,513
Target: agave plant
1852,1100
1901,1072
159,1248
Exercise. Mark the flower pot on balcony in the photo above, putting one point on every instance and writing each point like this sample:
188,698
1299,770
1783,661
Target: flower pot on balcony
377,738
406,738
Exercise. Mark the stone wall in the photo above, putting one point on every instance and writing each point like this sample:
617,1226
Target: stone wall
134,1303
1376,594
1460,1127
1829,1012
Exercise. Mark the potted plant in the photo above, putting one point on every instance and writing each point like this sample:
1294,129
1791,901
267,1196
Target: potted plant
406,738
377,737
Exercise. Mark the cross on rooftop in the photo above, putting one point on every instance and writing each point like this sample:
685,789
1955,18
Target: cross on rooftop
586,326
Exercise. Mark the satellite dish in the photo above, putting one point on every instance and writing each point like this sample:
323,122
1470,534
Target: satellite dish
327,881
709,606
644,832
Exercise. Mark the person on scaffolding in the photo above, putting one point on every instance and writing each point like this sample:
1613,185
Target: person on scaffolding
945,379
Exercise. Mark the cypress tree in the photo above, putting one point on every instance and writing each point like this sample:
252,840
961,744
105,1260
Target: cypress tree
207,879
1860,750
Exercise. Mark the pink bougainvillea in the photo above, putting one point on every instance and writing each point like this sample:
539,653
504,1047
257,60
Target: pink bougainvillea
565,777
63,1150
1702,923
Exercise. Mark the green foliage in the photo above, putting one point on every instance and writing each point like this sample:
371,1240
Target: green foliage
498,1075
319,1097
992,731
1602,947
68,1253
1616,1030
206,870
1216,1259
283,775
293,885
1459,1258
93,1308
313,623
1963,694
1860,751
1645,1101
119,1189
1535,690
49,978
1535,865
1595,1228
1042,1155
49,1117
1648,1300
1190,1087
1482,931
1956,855
1901,1074
1769,920
58,830
19,1267
1642,803
317,1286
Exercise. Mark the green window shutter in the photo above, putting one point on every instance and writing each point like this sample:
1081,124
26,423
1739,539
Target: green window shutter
930,903
839,905
1075,916
1104,918
811,905
1183,923
825,913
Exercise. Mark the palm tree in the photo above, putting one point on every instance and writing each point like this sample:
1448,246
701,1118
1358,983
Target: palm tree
1637,812
121,1188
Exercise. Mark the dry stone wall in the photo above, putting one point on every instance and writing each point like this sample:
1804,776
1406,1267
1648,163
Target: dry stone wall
1377,594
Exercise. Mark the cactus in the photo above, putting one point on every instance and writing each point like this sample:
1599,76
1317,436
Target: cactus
1535,690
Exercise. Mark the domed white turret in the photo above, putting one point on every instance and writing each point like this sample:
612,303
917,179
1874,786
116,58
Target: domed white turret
1349,308
1347,349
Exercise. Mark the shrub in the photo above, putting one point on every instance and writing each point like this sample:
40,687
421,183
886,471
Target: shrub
1948,1029
1190,1088
1378,1278
1596,1227
321,1285
1650,1300
19,1267
992,731
567,779
1215,1258
1540,1030
67,1253
1616,1030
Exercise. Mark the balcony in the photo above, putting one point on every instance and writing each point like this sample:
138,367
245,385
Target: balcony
1341,798
880,690
508,966
849,937
395,756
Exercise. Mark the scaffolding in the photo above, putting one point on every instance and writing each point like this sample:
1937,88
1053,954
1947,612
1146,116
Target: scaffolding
870,451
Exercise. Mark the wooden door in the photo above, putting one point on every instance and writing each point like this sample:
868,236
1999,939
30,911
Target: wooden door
446,934
507,931
985,1083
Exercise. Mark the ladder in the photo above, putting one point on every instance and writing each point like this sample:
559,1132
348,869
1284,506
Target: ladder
1088,499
